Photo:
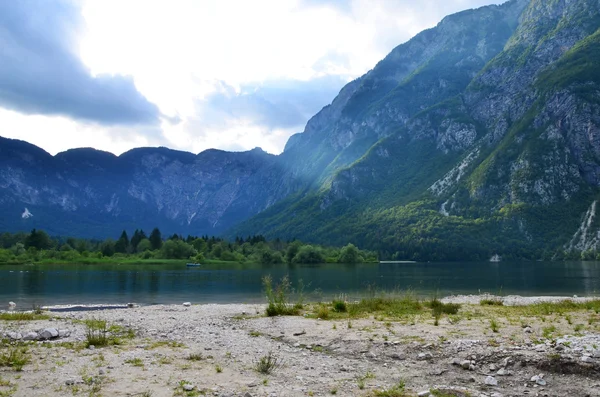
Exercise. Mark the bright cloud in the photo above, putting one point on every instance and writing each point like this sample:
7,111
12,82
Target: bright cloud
227,74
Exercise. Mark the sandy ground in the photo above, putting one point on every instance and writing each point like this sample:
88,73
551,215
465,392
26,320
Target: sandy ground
213,350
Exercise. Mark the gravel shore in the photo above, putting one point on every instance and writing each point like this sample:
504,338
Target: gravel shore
176,350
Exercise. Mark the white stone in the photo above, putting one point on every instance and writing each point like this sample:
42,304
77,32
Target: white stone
31,336
12,305
491,381
188,387
424,393
14,335
187,304
49,333
587,359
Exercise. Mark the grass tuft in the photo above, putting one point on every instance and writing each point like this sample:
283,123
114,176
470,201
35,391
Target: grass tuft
277,298
267,364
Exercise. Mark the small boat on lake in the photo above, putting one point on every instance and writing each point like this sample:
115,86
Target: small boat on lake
193,264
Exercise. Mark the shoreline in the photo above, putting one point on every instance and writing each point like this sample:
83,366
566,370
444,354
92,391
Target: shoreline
214,349
507,300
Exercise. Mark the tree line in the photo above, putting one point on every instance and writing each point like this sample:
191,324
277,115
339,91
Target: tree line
38,246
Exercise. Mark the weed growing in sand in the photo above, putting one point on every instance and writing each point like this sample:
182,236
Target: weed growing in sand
494,325
195,357
11,388
323,312
277,298
491,302
333,390
96,333
218,368
136,362
16,357
548,331
578,327
267,364
397,390
165,343
254,334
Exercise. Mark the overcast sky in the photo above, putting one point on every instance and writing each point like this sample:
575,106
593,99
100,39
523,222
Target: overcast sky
189,74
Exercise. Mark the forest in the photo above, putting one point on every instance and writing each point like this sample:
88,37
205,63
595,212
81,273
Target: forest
38,247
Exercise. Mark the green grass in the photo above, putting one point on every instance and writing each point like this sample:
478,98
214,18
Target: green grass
23,316
398,390
136,362
491,302
15,357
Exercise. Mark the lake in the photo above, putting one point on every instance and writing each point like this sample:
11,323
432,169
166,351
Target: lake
162,284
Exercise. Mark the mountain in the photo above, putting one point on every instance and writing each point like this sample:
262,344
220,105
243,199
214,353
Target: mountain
91,193
480,136
485,141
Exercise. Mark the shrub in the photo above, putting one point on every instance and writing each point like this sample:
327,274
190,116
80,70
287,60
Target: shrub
267,364
339,306
277,298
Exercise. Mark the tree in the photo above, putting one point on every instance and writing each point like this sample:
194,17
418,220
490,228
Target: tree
177,249
292,250
144,245
156,239
349,254
138,236
122,244
309,254
38,239
107,248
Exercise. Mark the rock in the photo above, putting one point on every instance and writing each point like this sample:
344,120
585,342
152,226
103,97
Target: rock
465,364
188,387
64,333
491,381
528,330
455,361
502,372
132,305
424,356
424,393
187,304
596,353
493,368
49,333
101,371
14,335
12,305
587,359
31,336
538,379
247,394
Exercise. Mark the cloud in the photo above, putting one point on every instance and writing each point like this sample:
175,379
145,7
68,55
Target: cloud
272,104
41,72
256,114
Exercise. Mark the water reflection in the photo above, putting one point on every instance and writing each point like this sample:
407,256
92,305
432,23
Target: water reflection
80,284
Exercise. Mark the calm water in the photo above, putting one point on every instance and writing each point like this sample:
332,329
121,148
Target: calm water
150,284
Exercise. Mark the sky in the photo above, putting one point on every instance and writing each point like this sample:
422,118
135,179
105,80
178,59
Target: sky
189,74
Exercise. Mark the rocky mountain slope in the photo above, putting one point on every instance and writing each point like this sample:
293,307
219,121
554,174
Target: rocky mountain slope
476,137
505,160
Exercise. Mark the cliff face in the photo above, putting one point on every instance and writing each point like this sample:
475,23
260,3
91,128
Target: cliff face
478,136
